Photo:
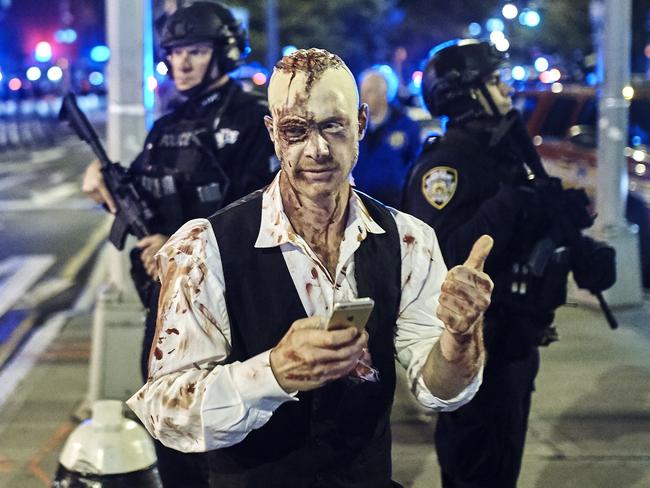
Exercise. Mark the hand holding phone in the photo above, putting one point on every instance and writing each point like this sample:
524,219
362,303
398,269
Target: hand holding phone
354,312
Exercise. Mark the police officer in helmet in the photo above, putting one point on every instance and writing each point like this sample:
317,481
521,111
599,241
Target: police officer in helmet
461,81
208,152
473,181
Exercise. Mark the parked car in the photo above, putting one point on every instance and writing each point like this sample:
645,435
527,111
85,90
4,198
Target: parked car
563,124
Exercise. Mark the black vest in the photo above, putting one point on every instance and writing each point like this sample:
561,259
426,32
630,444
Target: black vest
339,434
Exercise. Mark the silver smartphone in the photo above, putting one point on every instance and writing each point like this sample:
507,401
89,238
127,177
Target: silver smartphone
355,312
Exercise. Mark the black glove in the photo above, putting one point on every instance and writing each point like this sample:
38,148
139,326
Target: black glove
593,264
524,203
576,203
142,281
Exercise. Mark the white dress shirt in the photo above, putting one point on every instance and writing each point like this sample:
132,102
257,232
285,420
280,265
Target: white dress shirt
193,402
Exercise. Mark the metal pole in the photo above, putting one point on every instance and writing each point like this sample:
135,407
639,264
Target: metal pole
612,175
613,109
125,28
125,124
118,321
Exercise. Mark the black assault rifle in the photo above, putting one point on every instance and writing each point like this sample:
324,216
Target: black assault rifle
592,262
133,213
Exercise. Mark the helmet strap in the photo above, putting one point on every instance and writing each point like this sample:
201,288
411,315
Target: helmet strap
493,106
463,107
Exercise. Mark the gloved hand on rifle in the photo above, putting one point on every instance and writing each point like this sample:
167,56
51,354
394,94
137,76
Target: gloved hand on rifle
593,264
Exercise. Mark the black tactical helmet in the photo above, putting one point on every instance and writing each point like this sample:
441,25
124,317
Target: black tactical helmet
208,22
452,70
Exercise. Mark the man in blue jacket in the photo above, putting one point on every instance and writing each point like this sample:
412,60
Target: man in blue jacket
391,142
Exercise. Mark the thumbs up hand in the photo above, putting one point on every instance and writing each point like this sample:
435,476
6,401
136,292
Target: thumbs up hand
464,295
466,291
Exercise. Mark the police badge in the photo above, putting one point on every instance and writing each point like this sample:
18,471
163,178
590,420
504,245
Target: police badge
439,185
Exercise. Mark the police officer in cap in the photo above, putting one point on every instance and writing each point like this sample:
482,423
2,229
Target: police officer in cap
469,182
210,151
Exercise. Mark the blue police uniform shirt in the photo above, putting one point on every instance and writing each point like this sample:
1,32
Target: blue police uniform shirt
386,154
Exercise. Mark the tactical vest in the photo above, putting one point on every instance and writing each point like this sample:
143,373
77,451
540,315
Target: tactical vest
337,435
181,172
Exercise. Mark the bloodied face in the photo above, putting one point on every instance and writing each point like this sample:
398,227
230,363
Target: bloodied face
316,125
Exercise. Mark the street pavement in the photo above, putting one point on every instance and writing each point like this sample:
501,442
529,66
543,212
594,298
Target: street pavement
50,232
589,427
590,419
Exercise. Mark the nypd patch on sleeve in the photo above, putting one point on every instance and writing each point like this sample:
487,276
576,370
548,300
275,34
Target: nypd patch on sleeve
439,185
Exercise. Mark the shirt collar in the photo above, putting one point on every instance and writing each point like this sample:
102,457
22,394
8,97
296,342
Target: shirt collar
275,228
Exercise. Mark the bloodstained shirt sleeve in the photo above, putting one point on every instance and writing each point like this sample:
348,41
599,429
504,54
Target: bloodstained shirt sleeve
418,326
193,401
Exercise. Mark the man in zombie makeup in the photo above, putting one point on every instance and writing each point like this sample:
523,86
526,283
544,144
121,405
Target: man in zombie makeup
244,366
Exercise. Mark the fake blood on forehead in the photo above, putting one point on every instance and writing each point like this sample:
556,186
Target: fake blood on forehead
313,62
314,66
